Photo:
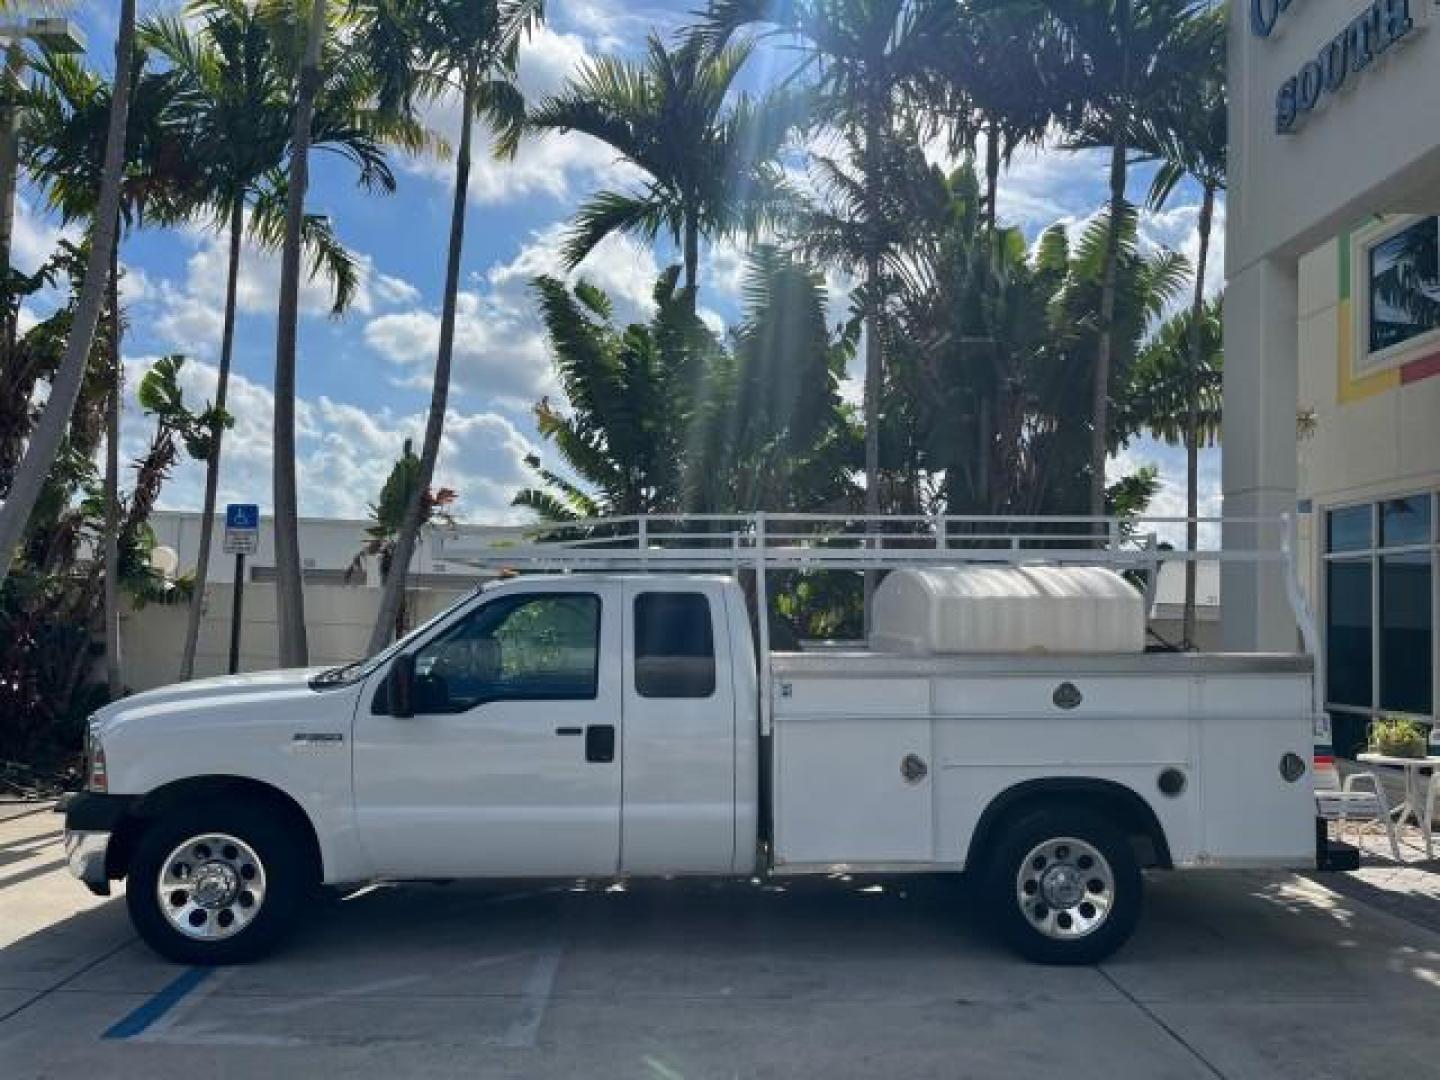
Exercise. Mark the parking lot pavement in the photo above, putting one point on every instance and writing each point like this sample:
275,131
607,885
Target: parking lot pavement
1234,976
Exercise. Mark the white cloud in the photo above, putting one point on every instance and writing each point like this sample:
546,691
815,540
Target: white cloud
1177,227
344,452
34,236
190,313
625,270
554,165
500,350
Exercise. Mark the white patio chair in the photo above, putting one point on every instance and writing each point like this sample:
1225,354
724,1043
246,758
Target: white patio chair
1432,795
1346,802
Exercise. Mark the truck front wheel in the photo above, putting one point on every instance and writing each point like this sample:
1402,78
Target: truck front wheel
217,884
1063,886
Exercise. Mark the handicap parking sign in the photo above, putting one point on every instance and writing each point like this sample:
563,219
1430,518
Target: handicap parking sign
242,528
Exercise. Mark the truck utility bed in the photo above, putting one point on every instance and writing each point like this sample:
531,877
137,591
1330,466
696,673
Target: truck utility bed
888,762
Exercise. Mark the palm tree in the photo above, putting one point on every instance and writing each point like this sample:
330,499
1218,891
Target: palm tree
994,72
863,61
232,97
631,391
1143,287
422,49
1175,392
1120,60
387,515
66,121
708,162
324,69
1190,140
289,579
49,433
768,427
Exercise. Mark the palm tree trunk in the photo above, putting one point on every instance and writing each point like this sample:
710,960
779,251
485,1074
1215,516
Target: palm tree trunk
289,582
65,388
212,465
113,681
992,174
1100,390
15,61
1192,415
394,591
692,249
874,379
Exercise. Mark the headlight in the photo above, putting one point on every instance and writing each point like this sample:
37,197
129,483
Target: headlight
96,777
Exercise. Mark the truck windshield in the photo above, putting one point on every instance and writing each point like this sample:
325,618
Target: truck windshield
360,669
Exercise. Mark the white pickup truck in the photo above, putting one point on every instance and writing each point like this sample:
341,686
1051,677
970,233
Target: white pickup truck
1005,720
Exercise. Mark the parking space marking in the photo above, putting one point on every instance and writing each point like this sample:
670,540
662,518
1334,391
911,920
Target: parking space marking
161,1003
521,1035
170,1016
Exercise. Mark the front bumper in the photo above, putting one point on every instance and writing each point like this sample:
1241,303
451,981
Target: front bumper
91,818
86,853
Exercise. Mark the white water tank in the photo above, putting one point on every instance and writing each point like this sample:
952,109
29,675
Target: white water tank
1007,609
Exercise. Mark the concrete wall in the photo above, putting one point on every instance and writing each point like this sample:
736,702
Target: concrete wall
327,546
337,618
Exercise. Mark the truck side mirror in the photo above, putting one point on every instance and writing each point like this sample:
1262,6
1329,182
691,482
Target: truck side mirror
402,685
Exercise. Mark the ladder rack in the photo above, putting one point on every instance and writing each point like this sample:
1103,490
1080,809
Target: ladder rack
762,542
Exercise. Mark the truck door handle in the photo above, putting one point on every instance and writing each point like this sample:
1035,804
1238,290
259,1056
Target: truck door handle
600,742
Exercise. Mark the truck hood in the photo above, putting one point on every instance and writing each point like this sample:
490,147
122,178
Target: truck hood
286,681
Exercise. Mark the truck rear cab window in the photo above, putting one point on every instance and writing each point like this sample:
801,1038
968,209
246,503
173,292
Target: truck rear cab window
674,645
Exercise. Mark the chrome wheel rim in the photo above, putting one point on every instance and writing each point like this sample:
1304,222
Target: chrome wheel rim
1065,888
211,887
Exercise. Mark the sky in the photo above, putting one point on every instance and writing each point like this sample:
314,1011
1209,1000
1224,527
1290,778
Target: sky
364,378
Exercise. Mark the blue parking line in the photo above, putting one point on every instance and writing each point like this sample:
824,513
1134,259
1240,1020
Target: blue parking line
163,1001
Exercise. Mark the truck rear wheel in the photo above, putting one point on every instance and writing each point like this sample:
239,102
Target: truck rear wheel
217,884
1063,886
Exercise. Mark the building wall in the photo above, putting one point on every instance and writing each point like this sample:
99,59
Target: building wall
1367,438
1374,435
1366,144
337,622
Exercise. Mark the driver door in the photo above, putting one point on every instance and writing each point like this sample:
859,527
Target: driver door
509,765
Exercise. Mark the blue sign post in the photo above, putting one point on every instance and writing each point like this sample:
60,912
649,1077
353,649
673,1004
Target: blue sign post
242,536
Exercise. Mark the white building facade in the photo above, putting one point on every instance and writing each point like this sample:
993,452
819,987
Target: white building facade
1332,373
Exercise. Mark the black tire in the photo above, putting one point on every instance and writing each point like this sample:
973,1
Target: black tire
290,879
1058,935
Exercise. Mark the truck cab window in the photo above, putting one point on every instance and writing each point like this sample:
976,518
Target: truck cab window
536,647
674,645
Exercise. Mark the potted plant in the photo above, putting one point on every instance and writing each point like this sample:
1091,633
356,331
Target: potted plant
1398,736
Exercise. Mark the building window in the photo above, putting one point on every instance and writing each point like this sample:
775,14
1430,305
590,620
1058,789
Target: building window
1403,285
1380,604
1349,633
1406,646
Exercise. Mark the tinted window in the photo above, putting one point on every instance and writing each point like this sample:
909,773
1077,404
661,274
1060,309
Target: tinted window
1405,521
1348,633
515,648
1405,633
674,646
1348,529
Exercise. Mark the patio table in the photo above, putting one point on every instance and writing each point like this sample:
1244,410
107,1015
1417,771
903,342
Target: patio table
1414,804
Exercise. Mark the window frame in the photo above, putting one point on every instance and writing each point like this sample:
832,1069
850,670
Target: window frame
518,599
1365,361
